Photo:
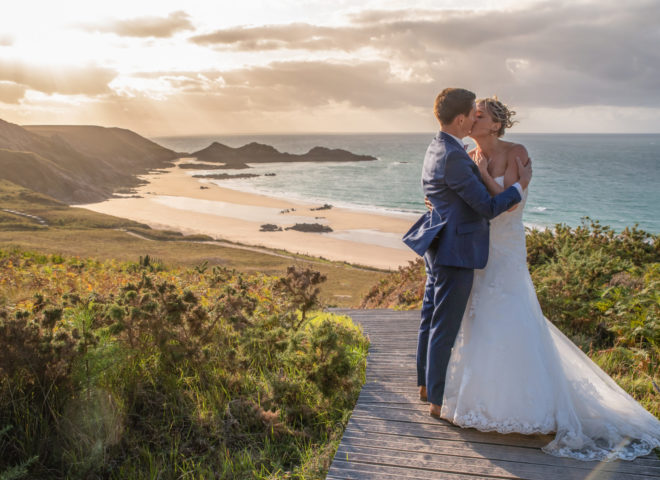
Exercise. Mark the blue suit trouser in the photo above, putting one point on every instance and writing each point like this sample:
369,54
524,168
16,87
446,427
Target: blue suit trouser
445,298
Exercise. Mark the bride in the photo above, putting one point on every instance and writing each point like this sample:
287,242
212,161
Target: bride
512,370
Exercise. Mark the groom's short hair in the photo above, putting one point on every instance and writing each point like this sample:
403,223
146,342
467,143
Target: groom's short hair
451,102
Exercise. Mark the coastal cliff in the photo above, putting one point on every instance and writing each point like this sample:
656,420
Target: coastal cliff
77,164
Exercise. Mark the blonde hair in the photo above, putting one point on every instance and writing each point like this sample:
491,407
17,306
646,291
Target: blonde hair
499,112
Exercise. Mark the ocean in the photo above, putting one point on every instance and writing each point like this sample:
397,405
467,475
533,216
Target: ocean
613,178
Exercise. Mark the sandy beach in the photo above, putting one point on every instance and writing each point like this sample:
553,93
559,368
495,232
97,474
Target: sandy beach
172,199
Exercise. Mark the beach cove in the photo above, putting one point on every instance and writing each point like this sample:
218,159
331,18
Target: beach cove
172,199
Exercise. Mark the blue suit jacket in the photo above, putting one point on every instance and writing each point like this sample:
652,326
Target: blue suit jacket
462,207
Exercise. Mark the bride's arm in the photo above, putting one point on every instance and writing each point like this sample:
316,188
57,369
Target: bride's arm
511,174
493,187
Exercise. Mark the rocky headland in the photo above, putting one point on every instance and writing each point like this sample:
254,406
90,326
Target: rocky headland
240,157
77,164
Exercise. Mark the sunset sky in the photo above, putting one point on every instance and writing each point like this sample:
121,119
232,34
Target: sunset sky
290,66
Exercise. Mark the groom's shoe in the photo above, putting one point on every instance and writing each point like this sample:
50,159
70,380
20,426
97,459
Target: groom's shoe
434,411
422,393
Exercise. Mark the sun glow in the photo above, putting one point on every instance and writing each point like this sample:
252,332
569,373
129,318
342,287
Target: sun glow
259,62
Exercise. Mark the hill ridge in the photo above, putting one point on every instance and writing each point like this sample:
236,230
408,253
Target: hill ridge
77,164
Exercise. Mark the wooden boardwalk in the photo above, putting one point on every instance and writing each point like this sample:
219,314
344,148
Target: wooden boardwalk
391,435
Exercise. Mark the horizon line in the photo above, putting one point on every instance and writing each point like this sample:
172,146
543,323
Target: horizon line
240,134
281,133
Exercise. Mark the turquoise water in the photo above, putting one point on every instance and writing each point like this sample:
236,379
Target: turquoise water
611,178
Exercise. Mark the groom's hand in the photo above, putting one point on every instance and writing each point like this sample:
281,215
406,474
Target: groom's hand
524,172
428,203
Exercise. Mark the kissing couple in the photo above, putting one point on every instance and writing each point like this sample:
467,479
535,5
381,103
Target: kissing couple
487,358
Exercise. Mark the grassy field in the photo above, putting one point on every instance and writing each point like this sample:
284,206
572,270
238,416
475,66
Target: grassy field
79,232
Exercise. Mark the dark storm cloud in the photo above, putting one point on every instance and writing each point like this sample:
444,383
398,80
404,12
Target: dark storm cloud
158,27
547,54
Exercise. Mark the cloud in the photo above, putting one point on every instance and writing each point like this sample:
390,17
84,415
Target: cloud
380,69
545,54
287,85
68,80
159,27
11,92
378,29
275,37
293,85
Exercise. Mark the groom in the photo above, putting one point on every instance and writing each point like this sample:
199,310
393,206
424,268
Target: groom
452,237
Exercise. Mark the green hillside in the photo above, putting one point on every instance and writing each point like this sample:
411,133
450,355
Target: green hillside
120,148
76,164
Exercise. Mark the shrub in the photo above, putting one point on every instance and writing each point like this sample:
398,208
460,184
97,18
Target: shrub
118,370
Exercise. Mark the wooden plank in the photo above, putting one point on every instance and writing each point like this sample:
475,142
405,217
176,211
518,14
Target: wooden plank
486,451
375,396
393,370
446,431
368,471
471,465
393,378
391,414
408,368
407,365
392,386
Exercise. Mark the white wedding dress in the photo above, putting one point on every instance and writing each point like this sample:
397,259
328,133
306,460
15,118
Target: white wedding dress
512,370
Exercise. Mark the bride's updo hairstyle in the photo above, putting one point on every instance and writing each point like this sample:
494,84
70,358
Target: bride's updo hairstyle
498,113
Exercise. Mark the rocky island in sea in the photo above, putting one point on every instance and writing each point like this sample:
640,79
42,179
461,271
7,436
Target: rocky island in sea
236,158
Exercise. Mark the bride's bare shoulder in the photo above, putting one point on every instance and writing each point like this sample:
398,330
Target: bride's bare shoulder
514,150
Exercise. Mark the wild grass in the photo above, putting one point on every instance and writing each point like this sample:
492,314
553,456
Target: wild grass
113,369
